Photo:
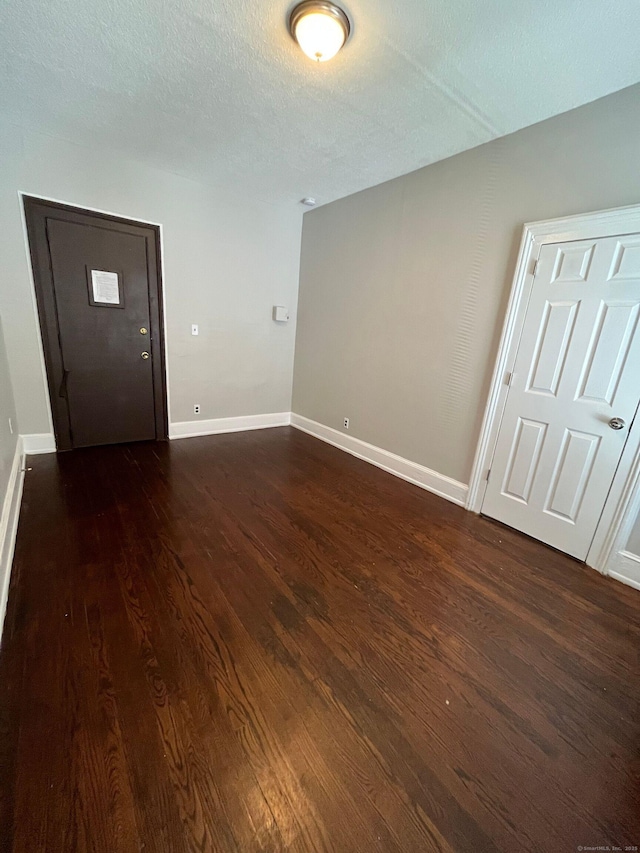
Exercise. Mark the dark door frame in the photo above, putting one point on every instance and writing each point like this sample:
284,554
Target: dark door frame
36,212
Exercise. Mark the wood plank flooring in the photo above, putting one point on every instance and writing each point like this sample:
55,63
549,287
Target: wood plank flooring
258,643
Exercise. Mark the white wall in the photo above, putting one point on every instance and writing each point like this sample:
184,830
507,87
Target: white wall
403,287
8,440
9,486
227,260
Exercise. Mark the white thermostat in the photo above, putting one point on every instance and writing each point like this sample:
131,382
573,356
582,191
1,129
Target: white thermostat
280,314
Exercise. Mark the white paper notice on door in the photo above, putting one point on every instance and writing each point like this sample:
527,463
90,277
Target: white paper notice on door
106,288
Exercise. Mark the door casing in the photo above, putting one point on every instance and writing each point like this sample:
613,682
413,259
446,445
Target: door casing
33,207
623,501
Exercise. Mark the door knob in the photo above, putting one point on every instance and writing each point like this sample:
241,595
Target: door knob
617,423
145,355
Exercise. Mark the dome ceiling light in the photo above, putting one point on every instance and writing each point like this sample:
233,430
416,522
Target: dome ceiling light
320,28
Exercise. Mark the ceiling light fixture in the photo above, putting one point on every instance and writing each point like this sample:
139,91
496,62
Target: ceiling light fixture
320,28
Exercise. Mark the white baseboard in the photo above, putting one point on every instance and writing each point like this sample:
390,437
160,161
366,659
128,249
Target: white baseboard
427,479
191,429
39,442
9,525
626,568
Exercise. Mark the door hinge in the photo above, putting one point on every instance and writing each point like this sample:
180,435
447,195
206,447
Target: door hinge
488,474
534,267
508,379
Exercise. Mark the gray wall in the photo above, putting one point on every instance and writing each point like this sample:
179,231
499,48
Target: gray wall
8,439
227,261
403,287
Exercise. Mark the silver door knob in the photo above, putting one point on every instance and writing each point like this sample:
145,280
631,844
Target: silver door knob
145,355
617,423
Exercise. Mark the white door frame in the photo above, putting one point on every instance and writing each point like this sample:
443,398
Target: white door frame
623,501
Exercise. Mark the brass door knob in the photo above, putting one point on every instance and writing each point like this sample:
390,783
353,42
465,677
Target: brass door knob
144,355
143,331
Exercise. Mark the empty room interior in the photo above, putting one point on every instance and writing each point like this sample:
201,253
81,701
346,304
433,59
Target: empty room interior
319,446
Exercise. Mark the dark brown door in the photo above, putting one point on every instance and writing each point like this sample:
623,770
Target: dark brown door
98,290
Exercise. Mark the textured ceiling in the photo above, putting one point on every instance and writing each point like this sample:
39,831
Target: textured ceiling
217,91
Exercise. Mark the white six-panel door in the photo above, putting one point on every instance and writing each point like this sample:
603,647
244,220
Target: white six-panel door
576,378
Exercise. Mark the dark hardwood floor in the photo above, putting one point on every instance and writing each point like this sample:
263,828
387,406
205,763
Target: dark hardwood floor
258,643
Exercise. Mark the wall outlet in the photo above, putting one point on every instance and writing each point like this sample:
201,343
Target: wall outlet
196,409
346,423
194,329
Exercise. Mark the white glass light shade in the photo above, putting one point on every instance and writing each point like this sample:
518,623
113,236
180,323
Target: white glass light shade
320,29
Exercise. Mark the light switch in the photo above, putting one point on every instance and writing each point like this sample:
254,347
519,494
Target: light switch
194,329
280,314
